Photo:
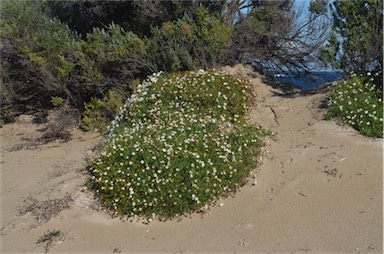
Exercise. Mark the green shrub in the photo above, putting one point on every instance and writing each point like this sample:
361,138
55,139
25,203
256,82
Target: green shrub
43,59
179,143
359,102
119,55
99,113
50,45
188,44
57,101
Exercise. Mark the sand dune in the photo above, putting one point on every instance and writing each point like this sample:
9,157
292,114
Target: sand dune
319,189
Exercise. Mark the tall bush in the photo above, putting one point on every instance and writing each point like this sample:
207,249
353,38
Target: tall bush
44,59
41,57
189,43
118,55
356,40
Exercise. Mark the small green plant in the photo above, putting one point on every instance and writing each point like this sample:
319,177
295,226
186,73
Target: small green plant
99,113
359,102
48,238
57,101
180,142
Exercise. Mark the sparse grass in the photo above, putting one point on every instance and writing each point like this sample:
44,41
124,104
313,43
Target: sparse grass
359,102
180,142
48,238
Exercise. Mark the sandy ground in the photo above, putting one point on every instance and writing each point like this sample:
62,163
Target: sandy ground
318,190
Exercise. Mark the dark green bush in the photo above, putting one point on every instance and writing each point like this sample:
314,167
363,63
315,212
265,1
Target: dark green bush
119,55
188,43
43,58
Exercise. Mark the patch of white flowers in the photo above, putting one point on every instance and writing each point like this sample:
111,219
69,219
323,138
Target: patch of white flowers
168,152
359,103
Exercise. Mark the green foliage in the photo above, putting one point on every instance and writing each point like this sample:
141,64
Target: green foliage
99,113
117,54
264,20
179,143
359,102
212,36
135,16
272,36
45,59
356,41
318,6
57,101
188,44
48,238
39,56
45,42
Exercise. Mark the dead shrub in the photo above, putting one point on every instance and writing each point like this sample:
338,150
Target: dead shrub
44,211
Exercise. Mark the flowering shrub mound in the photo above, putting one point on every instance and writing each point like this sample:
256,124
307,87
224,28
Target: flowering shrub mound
179,142
359,102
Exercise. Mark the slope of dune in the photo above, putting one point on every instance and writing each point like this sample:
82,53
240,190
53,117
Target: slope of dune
319,188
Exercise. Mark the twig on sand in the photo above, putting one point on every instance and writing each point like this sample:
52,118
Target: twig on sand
45,210
274,115
302,193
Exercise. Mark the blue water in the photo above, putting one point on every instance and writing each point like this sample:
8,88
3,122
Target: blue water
308,81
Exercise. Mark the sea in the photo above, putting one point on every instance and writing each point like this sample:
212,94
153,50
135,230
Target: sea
308,81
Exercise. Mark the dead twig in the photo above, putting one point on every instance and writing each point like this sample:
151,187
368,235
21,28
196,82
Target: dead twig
45,210
274,114
302,194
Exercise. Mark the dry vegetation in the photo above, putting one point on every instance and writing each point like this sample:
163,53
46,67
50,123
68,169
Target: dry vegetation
45,210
